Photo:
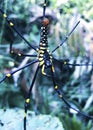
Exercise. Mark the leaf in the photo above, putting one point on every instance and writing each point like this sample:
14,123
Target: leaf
12,119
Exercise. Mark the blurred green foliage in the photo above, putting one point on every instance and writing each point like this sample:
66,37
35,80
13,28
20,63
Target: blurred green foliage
76,89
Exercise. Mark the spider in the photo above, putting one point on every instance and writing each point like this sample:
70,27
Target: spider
44,58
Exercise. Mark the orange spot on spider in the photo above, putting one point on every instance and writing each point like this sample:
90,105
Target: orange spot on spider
45,21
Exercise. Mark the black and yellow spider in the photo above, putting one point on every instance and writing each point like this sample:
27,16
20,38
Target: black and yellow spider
44,58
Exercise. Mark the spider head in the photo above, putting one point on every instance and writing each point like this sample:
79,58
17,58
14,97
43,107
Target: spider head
47,63
47,59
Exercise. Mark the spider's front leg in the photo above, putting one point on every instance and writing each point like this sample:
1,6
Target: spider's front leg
17,52
60,94
27,100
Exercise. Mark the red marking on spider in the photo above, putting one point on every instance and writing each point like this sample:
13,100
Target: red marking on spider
45,21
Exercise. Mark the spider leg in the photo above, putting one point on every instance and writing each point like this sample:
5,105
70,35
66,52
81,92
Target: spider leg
44,8
27,100
43,70
23,55
79,64
76,64
11,50
59,92
8,75
44,73
16,30
66,38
